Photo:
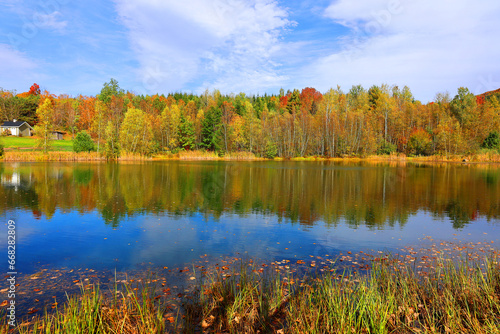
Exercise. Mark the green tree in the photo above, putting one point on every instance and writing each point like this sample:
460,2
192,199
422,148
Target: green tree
462,105
271,150
187,134
492,141
43,129
386,148
110,89
211,129
294,103
83,142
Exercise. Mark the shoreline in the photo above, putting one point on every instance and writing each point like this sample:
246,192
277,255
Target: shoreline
69,156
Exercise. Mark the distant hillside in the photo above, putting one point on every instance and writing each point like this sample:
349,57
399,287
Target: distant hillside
486,96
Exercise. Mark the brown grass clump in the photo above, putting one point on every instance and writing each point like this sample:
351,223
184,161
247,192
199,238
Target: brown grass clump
38,156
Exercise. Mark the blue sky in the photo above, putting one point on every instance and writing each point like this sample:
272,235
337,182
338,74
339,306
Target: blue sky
253,46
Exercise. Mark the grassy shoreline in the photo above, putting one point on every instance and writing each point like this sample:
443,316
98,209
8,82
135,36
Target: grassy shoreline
438,295
23,149
38,156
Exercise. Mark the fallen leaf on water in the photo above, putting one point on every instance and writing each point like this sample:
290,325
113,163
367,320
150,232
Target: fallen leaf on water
4,303
32,310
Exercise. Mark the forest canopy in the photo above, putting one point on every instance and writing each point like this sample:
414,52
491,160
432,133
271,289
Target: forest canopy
358,122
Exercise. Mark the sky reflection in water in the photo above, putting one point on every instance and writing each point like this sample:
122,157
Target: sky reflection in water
171,213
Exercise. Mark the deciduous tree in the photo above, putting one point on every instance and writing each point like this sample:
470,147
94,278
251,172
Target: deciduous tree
135,133
43,129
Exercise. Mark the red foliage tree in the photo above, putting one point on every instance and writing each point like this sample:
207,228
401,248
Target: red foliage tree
34,89
310,99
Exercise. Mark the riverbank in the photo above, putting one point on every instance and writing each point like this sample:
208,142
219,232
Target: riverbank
38,156
454,288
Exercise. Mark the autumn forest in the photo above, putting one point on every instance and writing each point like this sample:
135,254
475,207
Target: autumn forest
359,122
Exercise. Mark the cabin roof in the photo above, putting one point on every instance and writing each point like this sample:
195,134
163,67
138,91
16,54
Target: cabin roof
11,124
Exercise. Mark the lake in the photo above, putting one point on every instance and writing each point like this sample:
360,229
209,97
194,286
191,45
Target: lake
167,214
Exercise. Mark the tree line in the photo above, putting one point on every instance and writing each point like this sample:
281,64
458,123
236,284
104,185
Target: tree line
359,122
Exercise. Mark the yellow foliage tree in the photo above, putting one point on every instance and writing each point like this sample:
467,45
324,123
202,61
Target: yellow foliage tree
99,121
135,132
43,129
170,118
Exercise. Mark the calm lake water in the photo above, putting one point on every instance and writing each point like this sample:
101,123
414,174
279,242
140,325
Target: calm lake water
122,216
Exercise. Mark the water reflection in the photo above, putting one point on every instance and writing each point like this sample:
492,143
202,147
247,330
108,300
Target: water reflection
374,195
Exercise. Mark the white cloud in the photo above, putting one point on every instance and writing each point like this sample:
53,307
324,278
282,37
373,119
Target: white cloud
431,46
226,44
50,21
17,69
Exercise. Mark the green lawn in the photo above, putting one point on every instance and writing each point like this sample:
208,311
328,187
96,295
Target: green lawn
26,143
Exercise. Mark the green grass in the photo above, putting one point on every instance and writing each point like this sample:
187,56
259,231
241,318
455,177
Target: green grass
27,143
392,297
451,298
130,310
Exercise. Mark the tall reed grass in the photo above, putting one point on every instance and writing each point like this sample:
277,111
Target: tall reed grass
486,156
38,156
453,298
128,310
390,297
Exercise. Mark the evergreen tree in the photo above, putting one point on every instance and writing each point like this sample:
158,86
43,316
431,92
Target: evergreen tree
83,142
211,132
492,141
293,104
187,133
110,89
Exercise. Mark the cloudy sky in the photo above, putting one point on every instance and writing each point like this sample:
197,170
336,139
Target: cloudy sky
251,46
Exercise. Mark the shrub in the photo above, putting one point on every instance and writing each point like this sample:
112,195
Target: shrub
2,151
420,143
386,148
492,141
83,142
271,150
